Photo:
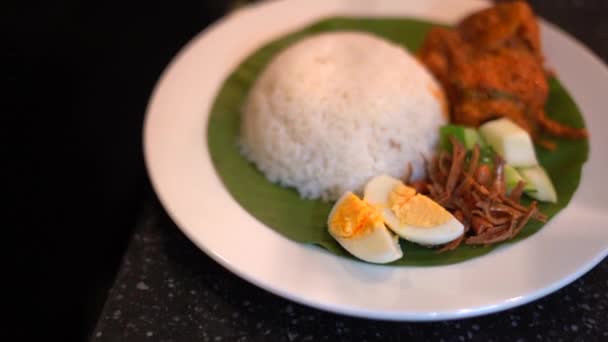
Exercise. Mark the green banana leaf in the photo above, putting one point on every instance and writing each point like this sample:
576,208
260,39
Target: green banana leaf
304,221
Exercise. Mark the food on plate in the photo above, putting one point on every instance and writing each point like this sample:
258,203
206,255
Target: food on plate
515,146
467,135
510,141
336,109
352,117
358,227
491,65
411,215
542,187
466,198
476,194
513,177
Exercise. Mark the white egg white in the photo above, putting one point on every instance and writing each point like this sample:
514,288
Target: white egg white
377,193
377,245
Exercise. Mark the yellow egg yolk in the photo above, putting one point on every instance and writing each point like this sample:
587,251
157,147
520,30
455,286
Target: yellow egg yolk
416,209
400,195
354,217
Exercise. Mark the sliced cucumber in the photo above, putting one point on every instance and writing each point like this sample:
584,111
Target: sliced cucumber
486,156
510,141
512,177
538,177
466,135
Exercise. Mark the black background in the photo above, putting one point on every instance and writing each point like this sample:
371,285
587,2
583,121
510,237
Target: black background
77,77
79,74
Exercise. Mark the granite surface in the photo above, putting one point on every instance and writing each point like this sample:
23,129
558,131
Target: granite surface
168,290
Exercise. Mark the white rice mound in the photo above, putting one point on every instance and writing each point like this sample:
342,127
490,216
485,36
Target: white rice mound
334,110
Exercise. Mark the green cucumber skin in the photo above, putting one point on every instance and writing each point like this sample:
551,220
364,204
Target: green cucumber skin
468,136
539,178
512,177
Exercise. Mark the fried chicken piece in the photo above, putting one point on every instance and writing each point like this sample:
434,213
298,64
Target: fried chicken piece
492,66
511,25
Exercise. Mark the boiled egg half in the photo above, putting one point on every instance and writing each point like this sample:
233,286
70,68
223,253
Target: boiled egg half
413,216
359,228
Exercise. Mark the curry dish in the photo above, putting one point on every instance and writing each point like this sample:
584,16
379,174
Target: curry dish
491,65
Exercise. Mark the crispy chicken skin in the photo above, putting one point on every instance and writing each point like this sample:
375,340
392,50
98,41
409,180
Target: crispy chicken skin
491,66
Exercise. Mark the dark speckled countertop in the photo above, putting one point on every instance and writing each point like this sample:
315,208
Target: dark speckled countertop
168,290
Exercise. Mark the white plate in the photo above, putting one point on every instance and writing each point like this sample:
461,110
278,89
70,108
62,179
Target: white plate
184,178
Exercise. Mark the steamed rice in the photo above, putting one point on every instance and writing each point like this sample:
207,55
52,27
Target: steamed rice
334,110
